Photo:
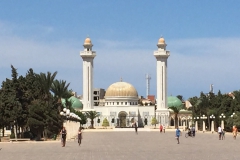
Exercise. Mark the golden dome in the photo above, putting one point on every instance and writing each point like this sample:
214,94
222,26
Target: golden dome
161,40
87,41
121,89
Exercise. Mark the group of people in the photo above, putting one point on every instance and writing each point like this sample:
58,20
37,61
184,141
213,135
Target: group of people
191,131
134,125
221,133
63,134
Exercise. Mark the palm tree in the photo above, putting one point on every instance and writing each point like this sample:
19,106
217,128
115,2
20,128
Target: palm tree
46,82
176,110
60,90
92,115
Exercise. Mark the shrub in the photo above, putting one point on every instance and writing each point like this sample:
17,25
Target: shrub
12,135
154,121
105,123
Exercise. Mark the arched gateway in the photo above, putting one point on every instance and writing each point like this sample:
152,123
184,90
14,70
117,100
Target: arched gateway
122,119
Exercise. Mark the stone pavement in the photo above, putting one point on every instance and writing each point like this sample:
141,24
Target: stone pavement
127,145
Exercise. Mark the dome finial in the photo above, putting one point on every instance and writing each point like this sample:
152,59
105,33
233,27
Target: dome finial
87,41
121,79
161,40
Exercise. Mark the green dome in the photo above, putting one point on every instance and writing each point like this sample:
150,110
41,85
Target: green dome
174,102
76,103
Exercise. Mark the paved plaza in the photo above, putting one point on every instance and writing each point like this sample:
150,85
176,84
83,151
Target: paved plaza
127,145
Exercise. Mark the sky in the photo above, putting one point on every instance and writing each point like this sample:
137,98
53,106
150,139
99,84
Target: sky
203,38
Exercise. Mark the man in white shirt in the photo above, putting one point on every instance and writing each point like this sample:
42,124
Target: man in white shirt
220,132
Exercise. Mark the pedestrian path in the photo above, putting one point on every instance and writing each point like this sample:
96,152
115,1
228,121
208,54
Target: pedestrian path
127,145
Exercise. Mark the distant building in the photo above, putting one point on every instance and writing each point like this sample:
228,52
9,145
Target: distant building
98,95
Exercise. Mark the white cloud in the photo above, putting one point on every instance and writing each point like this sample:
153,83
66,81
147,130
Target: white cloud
193,65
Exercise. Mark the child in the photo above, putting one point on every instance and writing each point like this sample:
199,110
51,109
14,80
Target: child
178,133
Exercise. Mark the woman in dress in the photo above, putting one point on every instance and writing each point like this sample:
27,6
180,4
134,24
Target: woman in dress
64,136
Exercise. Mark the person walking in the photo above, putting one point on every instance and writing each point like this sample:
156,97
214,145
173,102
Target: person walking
193,131
235,130
178,133
136,127
219,132
223,134
79,135
161,128
64,136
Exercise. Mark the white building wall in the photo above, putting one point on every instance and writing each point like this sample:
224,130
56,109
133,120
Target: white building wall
105,112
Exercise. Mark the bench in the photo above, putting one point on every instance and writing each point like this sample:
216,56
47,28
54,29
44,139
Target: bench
4,139
19,139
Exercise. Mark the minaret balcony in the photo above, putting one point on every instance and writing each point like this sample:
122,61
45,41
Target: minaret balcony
88,53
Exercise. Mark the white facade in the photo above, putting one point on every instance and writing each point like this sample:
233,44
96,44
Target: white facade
124,115
87,55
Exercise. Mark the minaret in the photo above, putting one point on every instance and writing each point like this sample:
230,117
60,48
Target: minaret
162,55
87,55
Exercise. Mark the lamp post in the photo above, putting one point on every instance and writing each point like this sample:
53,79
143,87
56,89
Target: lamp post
232,116
203,119
212,117
196,123
184,123
66,113
222,116
189,121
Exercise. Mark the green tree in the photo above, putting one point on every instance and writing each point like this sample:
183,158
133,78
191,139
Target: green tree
154,121
46,81
82,116
92,115
234,120
180,97
1,113
36,120
11,105
105,123
176,111
60,90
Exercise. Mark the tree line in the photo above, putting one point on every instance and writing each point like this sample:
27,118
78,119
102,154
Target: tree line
222,106
33,103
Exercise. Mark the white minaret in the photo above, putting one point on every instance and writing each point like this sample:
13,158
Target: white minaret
162,107
87,55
